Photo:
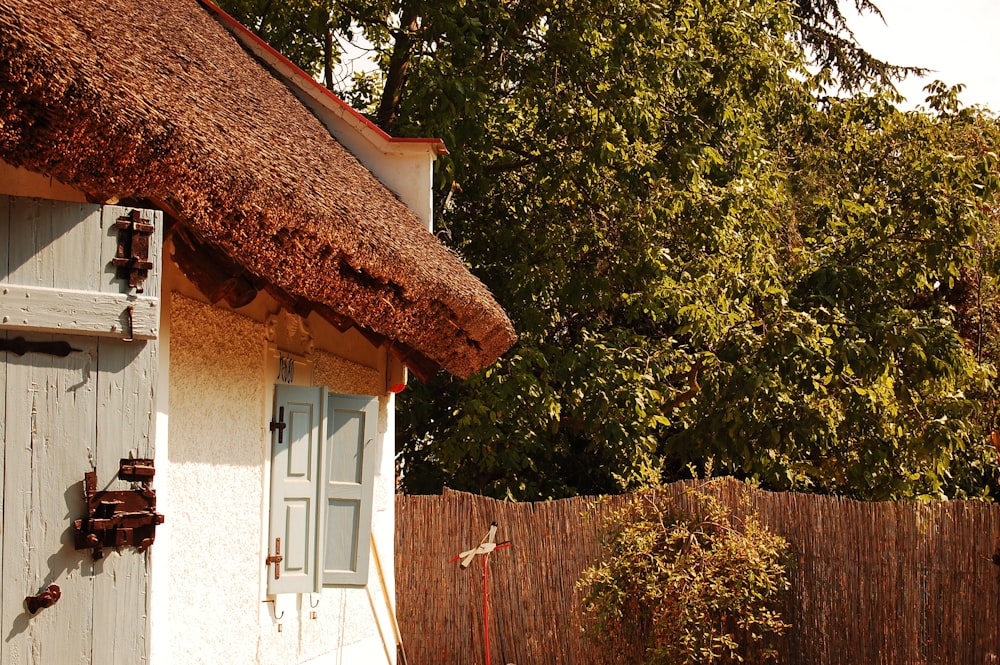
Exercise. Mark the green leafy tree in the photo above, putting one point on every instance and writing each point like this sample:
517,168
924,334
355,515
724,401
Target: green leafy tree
705,258
705,263
580,188
310,33
862,382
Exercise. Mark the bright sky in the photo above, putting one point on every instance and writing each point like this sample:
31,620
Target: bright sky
960,39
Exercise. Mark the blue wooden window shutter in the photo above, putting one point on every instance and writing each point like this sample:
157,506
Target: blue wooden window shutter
349,461
296,444
323,449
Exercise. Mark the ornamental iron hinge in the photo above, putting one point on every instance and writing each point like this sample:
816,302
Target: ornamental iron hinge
132,256
279,425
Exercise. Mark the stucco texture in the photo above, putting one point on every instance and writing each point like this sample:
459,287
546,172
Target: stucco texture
217,453
343,376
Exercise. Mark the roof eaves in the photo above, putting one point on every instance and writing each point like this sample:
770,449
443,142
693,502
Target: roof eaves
294,75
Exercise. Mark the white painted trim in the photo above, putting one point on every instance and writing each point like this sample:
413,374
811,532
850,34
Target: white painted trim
43,309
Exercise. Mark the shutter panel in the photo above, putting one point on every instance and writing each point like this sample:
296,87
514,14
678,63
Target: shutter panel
295,453
349,463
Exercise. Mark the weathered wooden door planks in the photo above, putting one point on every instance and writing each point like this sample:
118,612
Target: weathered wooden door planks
50,434
64,416
125,375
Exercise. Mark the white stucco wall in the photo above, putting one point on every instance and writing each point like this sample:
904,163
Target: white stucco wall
208,570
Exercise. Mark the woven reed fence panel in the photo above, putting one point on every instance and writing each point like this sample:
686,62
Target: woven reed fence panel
872,583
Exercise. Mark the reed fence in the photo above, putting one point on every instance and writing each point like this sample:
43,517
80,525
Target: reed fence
872,583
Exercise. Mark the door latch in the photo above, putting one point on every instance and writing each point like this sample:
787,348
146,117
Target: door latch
46,598
279,425
119,518
276,559
19,346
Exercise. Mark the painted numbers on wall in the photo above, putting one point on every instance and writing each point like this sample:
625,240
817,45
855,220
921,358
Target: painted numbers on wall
286,369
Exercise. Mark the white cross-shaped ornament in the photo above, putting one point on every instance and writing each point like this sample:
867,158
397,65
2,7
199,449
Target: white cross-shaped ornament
487,545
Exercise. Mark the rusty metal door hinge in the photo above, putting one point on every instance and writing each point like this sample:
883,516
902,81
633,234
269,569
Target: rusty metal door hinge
276,559
132,256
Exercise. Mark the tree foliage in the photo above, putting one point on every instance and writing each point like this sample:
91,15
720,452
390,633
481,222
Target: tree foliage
707,260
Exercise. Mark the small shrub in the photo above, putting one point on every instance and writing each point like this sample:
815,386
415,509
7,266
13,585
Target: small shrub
686,584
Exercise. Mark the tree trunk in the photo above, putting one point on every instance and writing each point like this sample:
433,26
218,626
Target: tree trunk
399,64
328,57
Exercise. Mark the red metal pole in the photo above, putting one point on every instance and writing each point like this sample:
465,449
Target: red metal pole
486,611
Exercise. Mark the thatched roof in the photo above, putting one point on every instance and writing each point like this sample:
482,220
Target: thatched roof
156,100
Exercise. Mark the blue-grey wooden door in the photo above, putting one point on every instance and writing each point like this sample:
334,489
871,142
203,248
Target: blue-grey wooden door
67,413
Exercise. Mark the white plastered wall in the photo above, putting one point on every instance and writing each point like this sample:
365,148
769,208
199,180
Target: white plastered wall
212,477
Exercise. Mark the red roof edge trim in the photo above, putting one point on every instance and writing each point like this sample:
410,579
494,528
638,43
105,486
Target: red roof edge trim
435,144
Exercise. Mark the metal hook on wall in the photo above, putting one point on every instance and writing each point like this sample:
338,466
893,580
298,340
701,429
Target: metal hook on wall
313,606
274,609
